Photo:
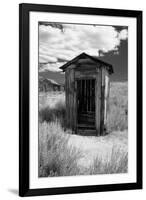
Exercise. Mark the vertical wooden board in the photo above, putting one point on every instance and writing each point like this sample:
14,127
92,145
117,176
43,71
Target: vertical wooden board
80,95
102,101
73,96
98,101
67,98
87,95
75,106
106,84
68,108
90,89
106,97
93,93
72,101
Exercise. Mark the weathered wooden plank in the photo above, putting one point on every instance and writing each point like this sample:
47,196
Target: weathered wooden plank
75,107
106,96
85,98
86,67
72,66
74,102
71,99
85,75
67,98
98,102
87,93
86,61
89,97
102,127
86,126
70,102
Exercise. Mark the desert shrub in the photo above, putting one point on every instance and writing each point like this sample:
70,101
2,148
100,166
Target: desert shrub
117,113
52,114
116,163
56,157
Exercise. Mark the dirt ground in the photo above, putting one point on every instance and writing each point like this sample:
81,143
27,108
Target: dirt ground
92,146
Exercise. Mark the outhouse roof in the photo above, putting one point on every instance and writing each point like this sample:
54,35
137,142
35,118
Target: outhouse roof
94,58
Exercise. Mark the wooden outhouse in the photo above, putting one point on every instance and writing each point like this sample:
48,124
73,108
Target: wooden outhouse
87,92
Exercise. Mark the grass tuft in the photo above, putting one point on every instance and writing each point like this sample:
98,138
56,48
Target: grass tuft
116,163
51,114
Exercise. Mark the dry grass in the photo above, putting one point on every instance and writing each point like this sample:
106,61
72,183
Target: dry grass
117,114
52,114
101,147
50,99
63,154
56,158
117,162
59,153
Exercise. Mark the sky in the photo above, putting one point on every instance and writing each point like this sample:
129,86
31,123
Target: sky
59,43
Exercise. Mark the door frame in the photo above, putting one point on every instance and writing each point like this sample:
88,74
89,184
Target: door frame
84,78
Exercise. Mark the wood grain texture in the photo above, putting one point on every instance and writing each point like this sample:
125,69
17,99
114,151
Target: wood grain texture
70,99
79,97
106,96
98,101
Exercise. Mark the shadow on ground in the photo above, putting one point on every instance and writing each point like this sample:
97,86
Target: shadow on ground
13,191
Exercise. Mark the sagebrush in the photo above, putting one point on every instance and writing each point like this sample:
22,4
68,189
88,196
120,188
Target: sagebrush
52,114
56,158
117,162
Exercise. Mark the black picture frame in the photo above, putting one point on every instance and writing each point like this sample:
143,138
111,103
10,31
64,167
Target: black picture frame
24,124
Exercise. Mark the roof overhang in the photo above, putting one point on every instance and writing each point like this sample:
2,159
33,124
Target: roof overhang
84,55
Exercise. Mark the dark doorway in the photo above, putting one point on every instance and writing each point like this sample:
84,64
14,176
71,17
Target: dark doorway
86,103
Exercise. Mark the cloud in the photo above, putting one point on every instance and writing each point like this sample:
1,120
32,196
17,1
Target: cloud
123,35
51,67
57,46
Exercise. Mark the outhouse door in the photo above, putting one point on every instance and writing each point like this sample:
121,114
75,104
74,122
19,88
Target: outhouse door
86,103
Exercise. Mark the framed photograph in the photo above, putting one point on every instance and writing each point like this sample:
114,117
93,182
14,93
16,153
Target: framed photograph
80,99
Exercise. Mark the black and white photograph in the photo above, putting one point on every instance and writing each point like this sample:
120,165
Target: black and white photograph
83,99
80,100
